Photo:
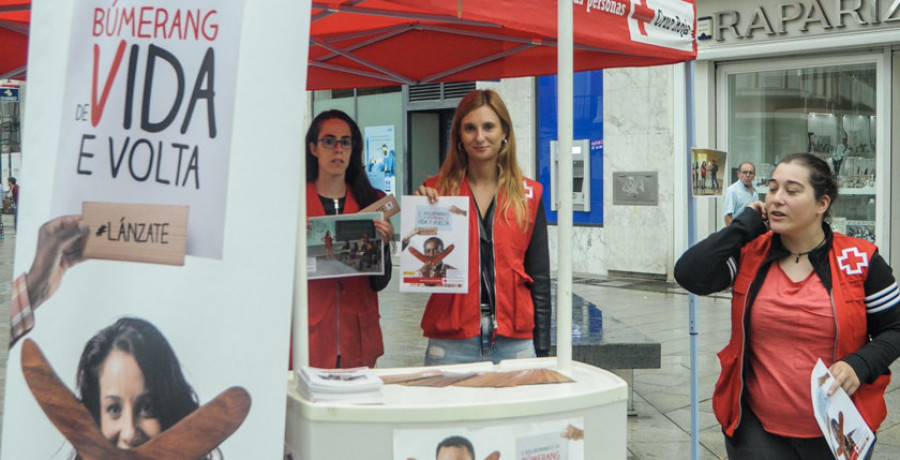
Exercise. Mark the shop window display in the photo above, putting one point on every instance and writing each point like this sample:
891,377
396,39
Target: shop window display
828,111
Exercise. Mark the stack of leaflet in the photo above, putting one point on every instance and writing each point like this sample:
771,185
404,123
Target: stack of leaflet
352,386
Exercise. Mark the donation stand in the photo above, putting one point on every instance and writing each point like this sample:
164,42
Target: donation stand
495,419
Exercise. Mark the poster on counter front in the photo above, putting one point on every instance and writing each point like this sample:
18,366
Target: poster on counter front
435,247
140,148
561,439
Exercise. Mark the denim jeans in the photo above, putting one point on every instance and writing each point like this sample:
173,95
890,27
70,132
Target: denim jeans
751,441
479,348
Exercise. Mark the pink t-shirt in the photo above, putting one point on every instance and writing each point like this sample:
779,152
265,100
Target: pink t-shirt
791,326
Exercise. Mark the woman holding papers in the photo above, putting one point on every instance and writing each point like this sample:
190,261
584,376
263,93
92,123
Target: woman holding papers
343,313
799,292
506,312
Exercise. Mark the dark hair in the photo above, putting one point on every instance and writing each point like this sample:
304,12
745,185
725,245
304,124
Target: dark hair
434,239
456,441
11,179
820,177
171,395
355,176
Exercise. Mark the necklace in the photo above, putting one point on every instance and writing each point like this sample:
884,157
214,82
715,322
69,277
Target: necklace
798,254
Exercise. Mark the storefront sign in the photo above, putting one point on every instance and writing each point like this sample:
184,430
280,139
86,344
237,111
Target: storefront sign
9,94
736,21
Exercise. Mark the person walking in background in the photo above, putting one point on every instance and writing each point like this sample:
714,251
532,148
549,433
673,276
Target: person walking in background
506,312
840,152
702,175
740,194
800,292
714,175
14,191
344,329
694,175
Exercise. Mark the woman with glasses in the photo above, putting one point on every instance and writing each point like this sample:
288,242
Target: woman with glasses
506,312
344,329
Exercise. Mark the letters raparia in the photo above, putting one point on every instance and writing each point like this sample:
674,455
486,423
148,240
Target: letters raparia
823,15
170,164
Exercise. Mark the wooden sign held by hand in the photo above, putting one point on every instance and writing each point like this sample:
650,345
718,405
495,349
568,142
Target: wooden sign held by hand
150,233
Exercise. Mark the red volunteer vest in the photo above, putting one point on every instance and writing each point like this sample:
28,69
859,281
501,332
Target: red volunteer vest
348,305
458,316
848,260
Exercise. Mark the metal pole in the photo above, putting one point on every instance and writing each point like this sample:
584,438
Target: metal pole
564,64
692,238
300,315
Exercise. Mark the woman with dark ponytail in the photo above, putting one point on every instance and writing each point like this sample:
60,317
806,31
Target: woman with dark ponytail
344,328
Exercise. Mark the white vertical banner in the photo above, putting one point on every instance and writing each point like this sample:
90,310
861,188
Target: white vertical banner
189,103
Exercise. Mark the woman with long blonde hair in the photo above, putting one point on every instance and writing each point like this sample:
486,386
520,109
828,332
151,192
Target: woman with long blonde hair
506,312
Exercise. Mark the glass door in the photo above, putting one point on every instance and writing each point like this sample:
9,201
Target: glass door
828,107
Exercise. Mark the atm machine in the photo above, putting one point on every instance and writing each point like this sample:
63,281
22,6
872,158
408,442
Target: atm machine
581,175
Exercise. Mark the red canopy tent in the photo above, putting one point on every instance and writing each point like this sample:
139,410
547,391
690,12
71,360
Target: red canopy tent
14,17
361,43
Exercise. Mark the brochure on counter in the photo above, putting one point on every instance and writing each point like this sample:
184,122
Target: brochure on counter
435,247
846,432
356,385
344,245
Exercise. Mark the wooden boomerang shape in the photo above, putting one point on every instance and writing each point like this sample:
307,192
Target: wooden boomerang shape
191,438
433,259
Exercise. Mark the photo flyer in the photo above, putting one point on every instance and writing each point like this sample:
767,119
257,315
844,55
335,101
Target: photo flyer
846,432
708,172
435,248
561,439
344,245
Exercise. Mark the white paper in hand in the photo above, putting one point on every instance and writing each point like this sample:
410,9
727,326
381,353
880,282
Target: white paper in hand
845,430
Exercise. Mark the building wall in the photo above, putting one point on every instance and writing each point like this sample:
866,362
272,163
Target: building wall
638,136
638,123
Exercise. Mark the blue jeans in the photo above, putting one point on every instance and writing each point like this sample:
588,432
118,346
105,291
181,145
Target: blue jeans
479,348
751,441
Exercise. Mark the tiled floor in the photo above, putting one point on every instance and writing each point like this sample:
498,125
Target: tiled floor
661,428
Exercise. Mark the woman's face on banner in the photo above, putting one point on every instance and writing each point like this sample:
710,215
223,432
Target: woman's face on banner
127,416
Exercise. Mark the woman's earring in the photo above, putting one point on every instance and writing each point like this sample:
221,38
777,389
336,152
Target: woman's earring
504,142
459,147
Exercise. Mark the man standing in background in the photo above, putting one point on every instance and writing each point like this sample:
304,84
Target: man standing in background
740,194
14,191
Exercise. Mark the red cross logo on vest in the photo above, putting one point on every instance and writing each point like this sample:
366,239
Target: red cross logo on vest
643,15
853,261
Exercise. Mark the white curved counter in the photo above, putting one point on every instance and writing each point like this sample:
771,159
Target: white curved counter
410,415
